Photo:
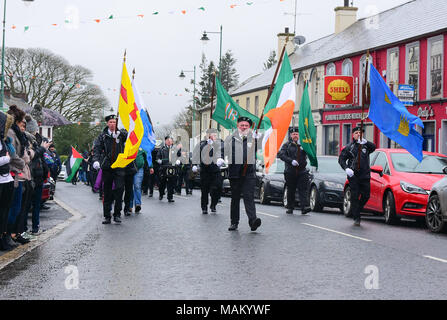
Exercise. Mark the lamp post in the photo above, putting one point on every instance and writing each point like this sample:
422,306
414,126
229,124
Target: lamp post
182,76
2,90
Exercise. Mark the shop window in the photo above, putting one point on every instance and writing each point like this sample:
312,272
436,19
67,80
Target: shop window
428,133
331,140
412,73
347,135
392,73
435,56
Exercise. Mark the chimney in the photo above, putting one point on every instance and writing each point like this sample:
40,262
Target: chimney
344,16
290,47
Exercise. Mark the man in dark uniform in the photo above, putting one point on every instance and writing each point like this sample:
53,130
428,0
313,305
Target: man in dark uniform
106,149
359,174
295,173
240,148
167,158
209,154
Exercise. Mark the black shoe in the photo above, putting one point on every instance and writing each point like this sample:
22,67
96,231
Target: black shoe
255,224
160,197
127,212
233,227
44,207
306,210
4,246
137,209
204,211
171,200
357,222
9,242
151,195
20,239
107,220
117,219
144,193
213,209
289,211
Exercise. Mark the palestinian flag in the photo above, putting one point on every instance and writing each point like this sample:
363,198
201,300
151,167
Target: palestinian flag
73,164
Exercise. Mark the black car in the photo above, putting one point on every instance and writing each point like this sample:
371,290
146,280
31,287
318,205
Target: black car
326,186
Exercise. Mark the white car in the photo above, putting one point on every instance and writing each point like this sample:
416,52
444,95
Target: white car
63,174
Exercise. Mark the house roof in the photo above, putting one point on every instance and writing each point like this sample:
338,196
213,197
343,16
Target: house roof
404,22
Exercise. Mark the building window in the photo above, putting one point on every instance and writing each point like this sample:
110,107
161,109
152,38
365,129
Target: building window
300,84
247,104
314,80
205,120
412,67
330,69
237,101
331,140
347,136
435,56
386,142
256,105
362,67
392,73
49,133
428,133
347,67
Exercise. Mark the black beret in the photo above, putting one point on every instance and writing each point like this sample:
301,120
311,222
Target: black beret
293,129
357,129
167,137
245,119
110,117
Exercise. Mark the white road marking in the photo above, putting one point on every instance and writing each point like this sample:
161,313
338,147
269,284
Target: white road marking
437,259
180,197
338,232
267,214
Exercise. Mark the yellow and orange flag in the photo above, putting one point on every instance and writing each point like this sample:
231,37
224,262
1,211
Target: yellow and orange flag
131,119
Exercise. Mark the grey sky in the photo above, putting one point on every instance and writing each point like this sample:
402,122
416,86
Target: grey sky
159,46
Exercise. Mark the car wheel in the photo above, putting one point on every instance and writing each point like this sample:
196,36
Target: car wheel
389,209
262,196
284,198
347,207
433,216
314,200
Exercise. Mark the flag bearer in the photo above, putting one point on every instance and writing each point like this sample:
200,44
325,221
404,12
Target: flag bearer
295,173
358,175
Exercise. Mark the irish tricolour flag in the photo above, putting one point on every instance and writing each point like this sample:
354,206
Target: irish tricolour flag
73,164
278,113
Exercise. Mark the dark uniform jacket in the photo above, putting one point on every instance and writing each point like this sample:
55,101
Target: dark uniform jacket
240,152
207,155
163,155
103,147
292,151
349,157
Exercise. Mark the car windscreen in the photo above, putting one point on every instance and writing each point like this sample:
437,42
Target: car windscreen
405,162
329,165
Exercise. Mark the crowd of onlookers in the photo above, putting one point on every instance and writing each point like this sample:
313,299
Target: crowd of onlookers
27,161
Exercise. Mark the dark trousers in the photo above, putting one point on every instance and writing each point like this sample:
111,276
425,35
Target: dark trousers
19,225
360,191
109,177
189,183
169,183
36,198
145,182
178,187
128,190
209,184
245,186
6,193
153,180
294,181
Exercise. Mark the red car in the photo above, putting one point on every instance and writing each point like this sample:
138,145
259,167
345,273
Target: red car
400,185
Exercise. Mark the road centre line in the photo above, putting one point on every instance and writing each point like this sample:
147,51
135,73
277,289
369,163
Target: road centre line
257,212
437,259
338,232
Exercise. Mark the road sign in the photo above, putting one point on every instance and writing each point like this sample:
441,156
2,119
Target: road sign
405,93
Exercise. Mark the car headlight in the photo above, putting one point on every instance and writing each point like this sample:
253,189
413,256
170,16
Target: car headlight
411,188
333,185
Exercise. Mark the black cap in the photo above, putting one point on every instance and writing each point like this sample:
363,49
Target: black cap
167,137
357,129
110,117
245,119
293,129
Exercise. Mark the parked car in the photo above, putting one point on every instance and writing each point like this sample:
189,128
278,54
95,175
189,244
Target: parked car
46,191
327,183
436,213
400,185
63,174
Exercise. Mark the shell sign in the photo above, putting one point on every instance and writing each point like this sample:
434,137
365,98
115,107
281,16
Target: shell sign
338,90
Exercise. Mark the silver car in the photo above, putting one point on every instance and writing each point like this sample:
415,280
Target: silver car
436,214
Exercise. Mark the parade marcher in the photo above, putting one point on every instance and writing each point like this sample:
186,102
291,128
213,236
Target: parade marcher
167,158
209,154
150,175
240,148
107,146
184,169
295,172
359,175
187,175
140,163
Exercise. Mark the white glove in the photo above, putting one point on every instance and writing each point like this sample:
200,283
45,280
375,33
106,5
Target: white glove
349,172
294,163
209,141
256,135
4,160
116,134
159,161
194,169
220,162
96,165
177,162
363,141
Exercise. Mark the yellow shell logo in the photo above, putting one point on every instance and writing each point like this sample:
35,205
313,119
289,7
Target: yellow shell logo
339,90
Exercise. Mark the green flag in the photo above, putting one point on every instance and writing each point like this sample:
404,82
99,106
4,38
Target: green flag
227,111
306,128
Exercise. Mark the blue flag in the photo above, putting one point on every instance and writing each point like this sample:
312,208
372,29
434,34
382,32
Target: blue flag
148,141
392,118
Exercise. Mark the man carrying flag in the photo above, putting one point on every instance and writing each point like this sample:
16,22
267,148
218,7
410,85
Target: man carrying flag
72,165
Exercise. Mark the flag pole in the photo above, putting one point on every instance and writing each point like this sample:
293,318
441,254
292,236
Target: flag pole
213,92
364,97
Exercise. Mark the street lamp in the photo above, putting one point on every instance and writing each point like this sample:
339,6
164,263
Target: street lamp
182,76
2,90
